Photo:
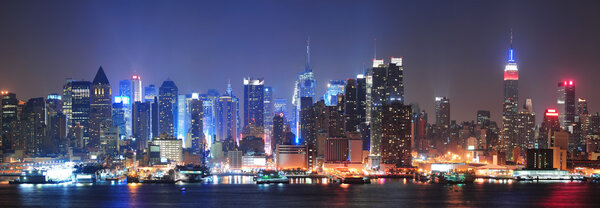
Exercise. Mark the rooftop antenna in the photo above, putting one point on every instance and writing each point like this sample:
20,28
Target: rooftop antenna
375,48
308,53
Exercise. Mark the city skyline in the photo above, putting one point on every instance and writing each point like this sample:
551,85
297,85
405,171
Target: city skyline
434,64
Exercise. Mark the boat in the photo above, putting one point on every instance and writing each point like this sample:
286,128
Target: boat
190,174
269,176
454,178
343,175
33,177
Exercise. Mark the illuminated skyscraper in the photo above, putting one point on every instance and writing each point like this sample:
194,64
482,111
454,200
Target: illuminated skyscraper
384,86
9,115
136,88
269,108
226,125
549,124
254,107
566,104
334,88
304,87
195,133
442,112
100,106
167,108
510,105
396,135
79,91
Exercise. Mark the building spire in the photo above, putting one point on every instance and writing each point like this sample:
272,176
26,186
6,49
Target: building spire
229,90
308,54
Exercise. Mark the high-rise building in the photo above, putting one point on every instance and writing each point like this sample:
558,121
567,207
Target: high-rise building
100,106
195,132
141,124
136,88
526,130
150,93
307,131
167,108
56,129
351,117
384,86
32,127
269,108
226,125
510,105
277,135
254,107
361,98
334,88
304,87
121,116
419,131
442,112
182,120
396,135
566,104
483,118
80,107
549,124
9,115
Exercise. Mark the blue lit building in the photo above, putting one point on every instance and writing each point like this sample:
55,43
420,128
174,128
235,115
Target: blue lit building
334,88
304,87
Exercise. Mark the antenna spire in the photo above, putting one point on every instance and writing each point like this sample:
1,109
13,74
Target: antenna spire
375,48
511,55
308,54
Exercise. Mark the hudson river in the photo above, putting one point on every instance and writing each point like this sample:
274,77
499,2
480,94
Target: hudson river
240,192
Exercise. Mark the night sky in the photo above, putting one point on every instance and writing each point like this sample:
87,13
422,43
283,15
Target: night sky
456,49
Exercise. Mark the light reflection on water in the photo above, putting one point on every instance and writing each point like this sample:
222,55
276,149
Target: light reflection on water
307,192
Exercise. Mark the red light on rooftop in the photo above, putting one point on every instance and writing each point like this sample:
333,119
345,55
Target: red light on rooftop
551,112
571,82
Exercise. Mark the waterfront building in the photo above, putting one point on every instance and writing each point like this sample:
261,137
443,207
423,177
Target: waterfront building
170,149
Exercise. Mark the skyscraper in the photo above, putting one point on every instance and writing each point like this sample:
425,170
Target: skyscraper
566,104
510,105
196,125
269,108
141,124
307,133
136,89
226,125
79,91
304,87
100,106
396,135
9,115
384,86
149,93
361,98
442,112
254,107
351,116
167,108
549,124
